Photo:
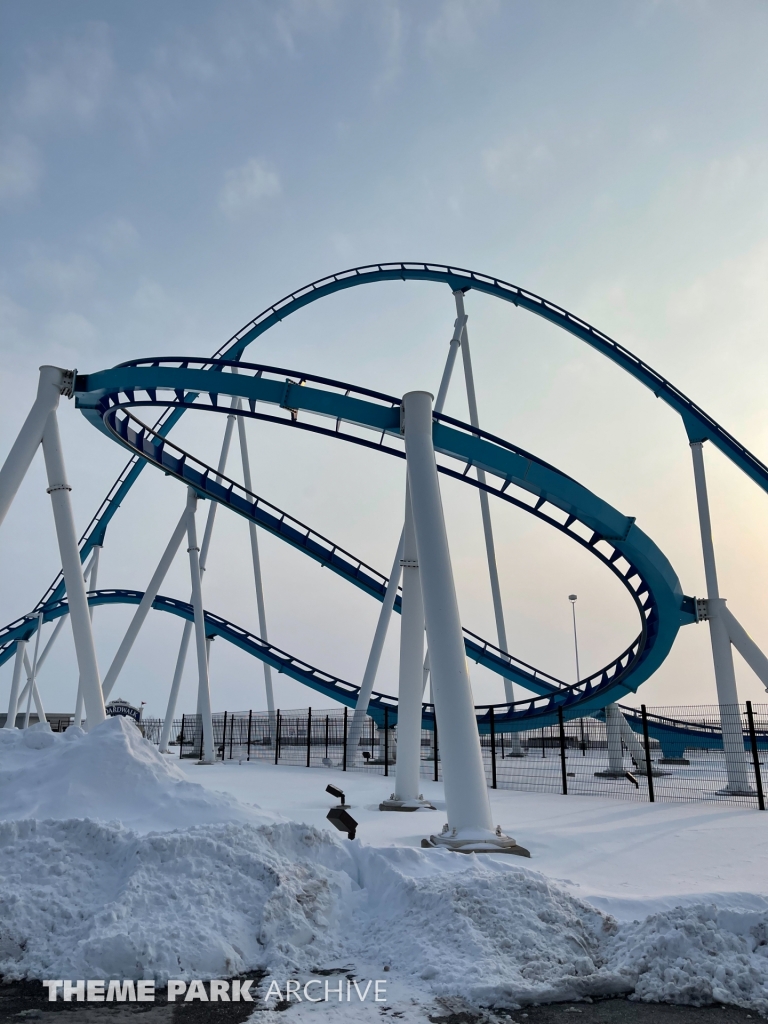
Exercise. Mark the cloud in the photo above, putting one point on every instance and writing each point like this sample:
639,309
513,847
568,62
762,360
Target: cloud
63,277
245,187
116,236
515,161
20,169
456,25
71,80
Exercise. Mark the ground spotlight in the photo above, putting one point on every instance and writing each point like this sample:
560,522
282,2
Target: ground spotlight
335,791
343,821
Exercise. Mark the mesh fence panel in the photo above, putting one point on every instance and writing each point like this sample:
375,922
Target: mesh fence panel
685,746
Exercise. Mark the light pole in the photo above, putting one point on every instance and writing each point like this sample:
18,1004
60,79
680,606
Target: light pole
572,598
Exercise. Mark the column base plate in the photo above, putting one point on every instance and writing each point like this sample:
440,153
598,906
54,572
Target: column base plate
493,844
406,805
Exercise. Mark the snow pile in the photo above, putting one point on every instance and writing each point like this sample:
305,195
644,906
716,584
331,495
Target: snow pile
492,931
220,889
80,899
112,773
85,899
499,934
696,955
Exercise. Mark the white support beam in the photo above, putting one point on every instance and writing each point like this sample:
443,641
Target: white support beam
13,703
411,679
374,657
59,490
91,577
52,383
387,605
140,615
186,635
181,658
32,677
739,781
256,560
516,748
745,645
203,691
470,824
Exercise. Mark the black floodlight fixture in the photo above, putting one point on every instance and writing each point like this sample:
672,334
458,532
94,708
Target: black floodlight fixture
335,791
343,821
367,755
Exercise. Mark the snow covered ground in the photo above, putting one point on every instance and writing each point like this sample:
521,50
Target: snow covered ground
118,862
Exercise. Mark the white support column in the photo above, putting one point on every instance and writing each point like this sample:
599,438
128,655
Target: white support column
145,605
33,693
453,347
516,749
59,489
385,612
175,685
374,657
411,683
722,655
745,645
615,768
633,744
91,577
52,384
29,691
31,677
51,640
256,559
13,703
203,691
187,632
470,825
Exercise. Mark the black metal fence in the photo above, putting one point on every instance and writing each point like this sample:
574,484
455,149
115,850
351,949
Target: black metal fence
684,746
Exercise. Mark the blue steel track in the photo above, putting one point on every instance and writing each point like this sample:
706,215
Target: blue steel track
107,399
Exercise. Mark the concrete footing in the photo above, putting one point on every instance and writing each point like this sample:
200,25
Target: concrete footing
490,842
393,804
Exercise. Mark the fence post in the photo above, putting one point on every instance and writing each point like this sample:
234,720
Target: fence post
250,717
647,745
493,750
181,737
327,723
563,767
501,740
224,739
435,746
309,735
386,741
277,738
344,755
755,757
231,734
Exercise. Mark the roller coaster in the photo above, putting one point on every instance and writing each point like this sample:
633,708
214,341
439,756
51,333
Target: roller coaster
114,400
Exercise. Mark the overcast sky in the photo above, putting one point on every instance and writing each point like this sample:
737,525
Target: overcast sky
168,170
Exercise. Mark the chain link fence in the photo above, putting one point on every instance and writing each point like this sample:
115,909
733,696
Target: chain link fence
684,746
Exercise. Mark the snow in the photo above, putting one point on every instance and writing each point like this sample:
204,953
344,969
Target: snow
111,774
116,861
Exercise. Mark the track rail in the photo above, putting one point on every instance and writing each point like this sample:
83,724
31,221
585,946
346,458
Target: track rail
108,398
698,423
508,718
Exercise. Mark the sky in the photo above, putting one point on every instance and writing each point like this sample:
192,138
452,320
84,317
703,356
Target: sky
169,170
